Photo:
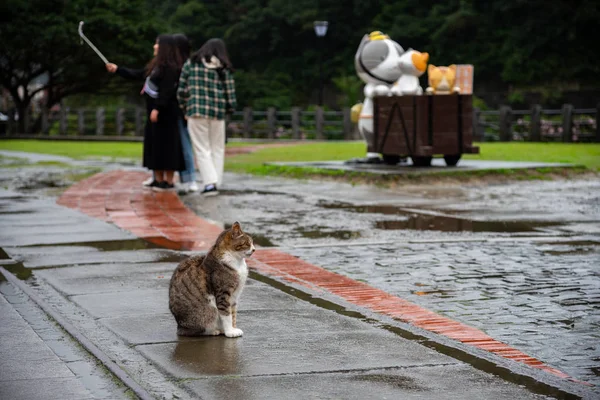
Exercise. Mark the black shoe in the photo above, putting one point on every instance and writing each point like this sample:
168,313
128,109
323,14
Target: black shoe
151,185
163,186
210,190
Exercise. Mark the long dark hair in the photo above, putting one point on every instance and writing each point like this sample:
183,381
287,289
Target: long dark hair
167,57
213,47
184,45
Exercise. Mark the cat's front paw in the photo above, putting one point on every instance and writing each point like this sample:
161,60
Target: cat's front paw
234,332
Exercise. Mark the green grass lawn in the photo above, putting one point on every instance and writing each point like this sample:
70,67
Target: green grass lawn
587,155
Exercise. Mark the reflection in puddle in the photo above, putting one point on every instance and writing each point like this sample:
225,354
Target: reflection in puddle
430,222
571,248
397,381
441,293
320,234
449,224
15,268
214,355
259,240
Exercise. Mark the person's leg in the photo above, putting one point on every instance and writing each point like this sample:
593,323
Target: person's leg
187,175
169,176
199,135
217,137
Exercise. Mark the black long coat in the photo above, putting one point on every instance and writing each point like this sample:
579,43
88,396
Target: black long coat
162,141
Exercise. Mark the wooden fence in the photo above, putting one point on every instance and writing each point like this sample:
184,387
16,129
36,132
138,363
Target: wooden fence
537,124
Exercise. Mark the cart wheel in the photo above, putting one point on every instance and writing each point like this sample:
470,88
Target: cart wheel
421,161
391,159
452,159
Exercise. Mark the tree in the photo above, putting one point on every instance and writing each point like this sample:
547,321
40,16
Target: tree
40,44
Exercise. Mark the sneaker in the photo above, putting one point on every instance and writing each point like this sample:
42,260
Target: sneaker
210,190
152,185
163,186
148,182
193,187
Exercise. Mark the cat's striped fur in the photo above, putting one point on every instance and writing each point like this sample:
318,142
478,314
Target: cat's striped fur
205,290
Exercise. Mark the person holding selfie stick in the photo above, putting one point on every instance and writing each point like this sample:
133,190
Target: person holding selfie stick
163,152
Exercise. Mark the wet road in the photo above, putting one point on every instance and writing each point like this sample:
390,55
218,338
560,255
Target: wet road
519,261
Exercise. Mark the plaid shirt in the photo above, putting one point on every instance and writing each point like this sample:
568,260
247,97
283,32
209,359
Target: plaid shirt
201,93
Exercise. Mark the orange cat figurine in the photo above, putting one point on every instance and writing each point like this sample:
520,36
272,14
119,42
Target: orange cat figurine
442,80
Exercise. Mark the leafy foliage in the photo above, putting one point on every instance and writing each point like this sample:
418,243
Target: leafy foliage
521,45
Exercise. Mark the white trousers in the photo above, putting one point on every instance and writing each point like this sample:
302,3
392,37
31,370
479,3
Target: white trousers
208,141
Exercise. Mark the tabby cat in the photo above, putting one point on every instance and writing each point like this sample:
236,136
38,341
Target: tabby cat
204,290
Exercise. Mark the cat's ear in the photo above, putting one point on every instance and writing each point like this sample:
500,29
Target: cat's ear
430,68
236,229
452,67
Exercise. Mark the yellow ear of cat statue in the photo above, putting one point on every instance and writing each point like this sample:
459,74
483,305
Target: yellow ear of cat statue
442,80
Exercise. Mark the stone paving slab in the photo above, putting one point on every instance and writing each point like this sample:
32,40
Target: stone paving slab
290,353
101,278
454,382
87,255
155,301
265,324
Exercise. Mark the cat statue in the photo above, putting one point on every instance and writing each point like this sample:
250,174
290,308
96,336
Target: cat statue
442,80
204,290
412,64
377,63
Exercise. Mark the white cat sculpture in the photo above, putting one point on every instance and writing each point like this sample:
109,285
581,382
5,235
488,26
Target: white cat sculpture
412,64
377,63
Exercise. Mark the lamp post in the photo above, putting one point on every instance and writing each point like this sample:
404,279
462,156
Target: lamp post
320,31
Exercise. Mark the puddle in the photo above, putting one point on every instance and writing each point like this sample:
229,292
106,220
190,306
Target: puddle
397,381
15,268
449,224
440,293
428,222
259,240
110,245
322,234
572,248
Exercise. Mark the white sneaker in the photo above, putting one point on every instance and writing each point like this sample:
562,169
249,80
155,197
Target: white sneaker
148,181
193,187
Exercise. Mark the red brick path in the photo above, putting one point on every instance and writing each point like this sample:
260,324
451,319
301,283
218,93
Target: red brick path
161,218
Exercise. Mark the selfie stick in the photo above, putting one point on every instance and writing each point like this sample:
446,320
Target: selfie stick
90,43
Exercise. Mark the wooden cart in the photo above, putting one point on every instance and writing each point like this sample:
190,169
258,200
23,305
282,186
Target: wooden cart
420,127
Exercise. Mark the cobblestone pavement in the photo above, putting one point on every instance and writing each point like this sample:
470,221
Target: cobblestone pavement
519,261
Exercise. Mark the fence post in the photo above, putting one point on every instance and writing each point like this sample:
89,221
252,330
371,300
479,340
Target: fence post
567,122
535,128
347,124
271,122
81,121
505,123
139,121
296,122
598,123
119,121
63,125
477,131
319,122
100,121
45,122
247,121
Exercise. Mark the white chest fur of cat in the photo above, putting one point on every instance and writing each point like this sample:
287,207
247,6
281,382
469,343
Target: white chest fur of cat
205,290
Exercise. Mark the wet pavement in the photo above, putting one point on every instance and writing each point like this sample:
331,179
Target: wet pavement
518,261
474,256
